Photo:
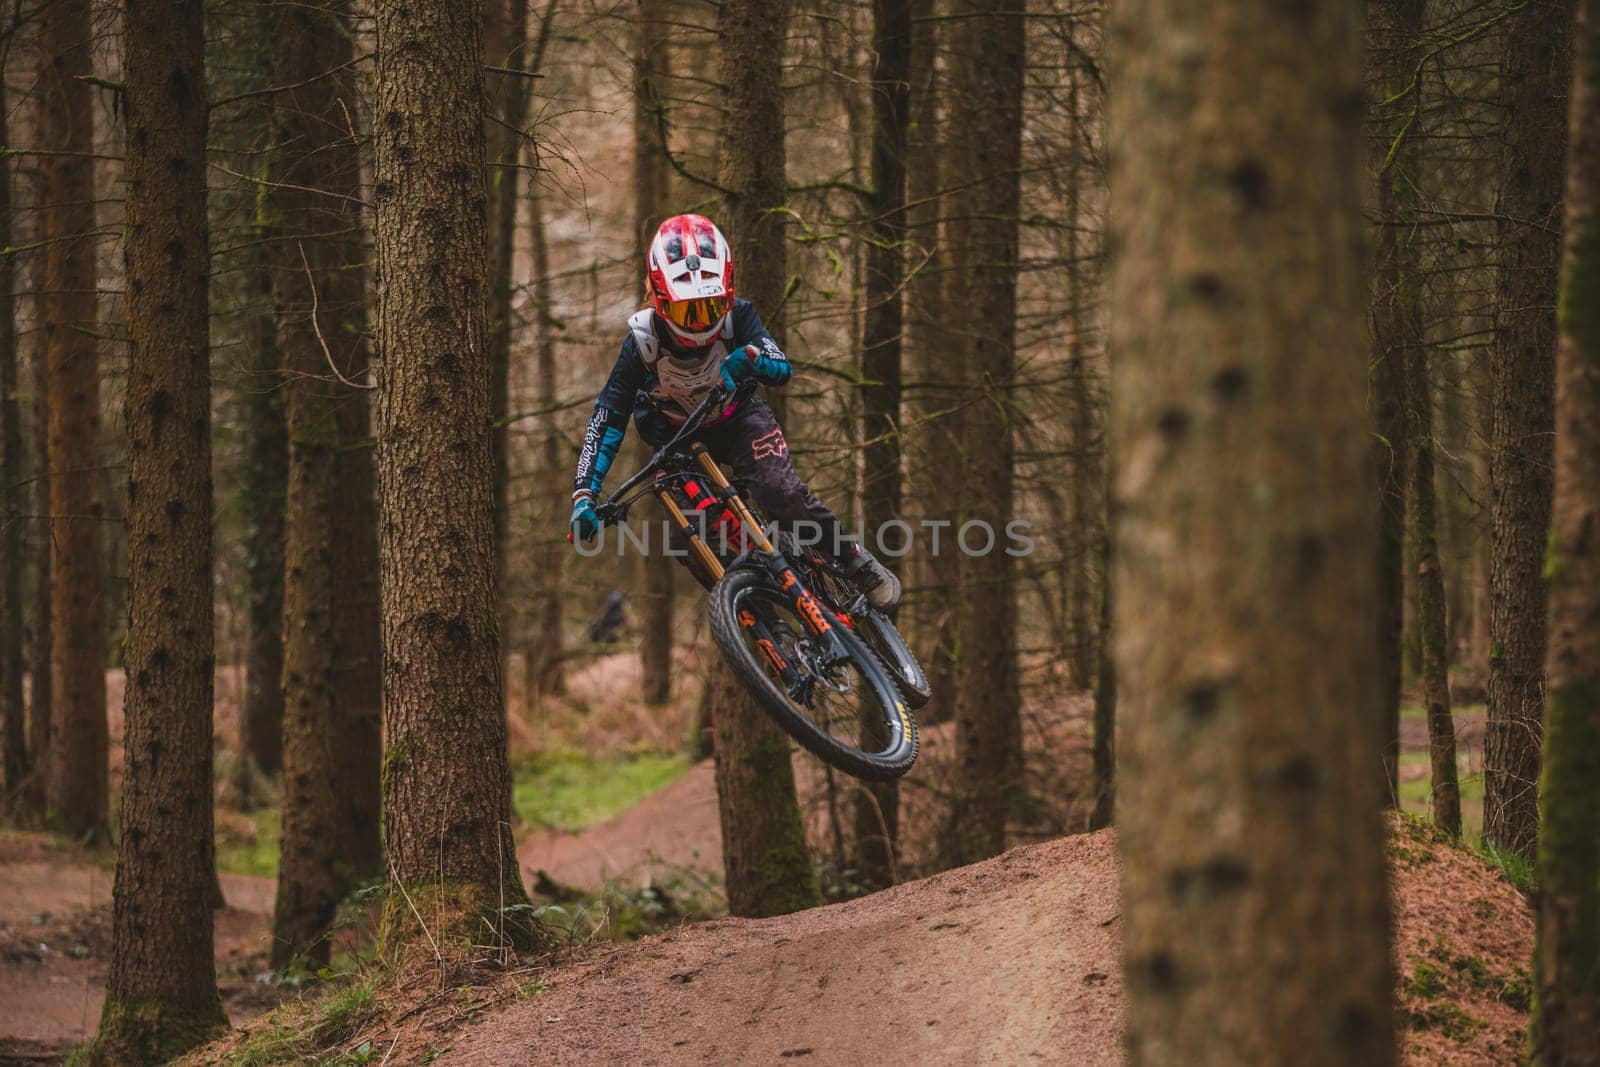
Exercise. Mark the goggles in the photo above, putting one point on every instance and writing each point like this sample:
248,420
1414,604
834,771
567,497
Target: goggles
698,314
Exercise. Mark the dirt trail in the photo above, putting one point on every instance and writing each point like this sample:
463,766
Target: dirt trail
675,827
55,941
1009,961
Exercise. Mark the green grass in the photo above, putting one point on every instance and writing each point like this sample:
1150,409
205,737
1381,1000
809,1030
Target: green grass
565,790
568,790
257,855
1416,795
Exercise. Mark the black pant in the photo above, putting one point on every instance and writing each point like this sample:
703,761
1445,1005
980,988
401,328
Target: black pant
750,447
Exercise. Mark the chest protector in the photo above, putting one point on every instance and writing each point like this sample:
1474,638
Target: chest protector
680,384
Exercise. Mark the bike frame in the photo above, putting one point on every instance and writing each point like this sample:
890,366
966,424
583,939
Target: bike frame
762,551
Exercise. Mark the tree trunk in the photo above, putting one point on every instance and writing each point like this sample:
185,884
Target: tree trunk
1566,1021
14,759
1432,629
76,794
754,167
1244,543
1104,752
1535,78
985,94
550,549
508,29
764,853
933,488
763,840
877,805
161,998
330,726
446,785
1393,38
41,726
265,482
652,190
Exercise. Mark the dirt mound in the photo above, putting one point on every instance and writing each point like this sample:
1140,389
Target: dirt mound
892,972
1007,961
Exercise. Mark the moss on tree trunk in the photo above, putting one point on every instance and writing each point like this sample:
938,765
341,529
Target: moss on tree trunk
764,853
1566,1023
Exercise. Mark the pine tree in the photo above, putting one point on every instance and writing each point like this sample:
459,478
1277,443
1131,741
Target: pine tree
1535,77
76,793
985,133
652,190
1566,1021
330,752
1244,539
1393,35
161,999
14,755
446,783
264,487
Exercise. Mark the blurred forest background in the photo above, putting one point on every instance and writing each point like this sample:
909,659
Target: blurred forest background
935,175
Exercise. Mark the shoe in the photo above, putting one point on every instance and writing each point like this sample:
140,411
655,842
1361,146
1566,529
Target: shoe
874,579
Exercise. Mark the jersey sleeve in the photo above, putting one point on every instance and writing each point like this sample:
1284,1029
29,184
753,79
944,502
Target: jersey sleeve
771,365
609,423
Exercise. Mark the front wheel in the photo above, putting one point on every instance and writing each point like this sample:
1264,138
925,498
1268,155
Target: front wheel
830,695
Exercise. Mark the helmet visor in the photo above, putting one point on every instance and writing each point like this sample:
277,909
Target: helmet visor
698,314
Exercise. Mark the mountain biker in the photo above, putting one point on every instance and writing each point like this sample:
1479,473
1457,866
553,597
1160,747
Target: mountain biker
695,335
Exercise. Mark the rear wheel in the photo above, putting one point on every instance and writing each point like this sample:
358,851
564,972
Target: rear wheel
833,696
881,635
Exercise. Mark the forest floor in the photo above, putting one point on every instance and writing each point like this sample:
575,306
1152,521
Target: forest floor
609,808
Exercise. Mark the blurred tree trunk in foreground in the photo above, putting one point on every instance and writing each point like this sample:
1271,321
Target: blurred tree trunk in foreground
161,999
1535,77
76,794
1244,578
330,728
446,783
985,134
1566,1023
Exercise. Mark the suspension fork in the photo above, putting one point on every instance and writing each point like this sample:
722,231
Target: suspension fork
804,600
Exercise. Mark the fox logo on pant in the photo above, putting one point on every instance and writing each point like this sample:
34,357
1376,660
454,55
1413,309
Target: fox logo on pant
770,444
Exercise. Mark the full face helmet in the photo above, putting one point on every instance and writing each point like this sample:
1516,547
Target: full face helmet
690,269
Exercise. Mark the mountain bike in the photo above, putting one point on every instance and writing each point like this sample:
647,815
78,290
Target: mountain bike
830,669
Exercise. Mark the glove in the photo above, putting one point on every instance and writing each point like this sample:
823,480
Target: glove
739,366
584,524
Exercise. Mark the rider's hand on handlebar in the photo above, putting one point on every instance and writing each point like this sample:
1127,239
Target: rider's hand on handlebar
585,523
739,366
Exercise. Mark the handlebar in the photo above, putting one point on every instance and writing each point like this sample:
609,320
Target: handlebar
613,509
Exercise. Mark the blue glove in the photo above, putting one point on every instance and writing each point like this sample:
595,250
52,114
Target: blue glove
584,524
739,366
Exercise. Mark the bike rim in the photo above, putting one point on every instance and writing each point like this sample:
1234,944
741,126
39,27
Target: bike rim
837,697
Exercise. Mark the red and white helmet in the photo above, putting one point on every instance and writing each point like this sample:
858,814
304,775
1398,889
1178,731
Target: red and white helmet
691,278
